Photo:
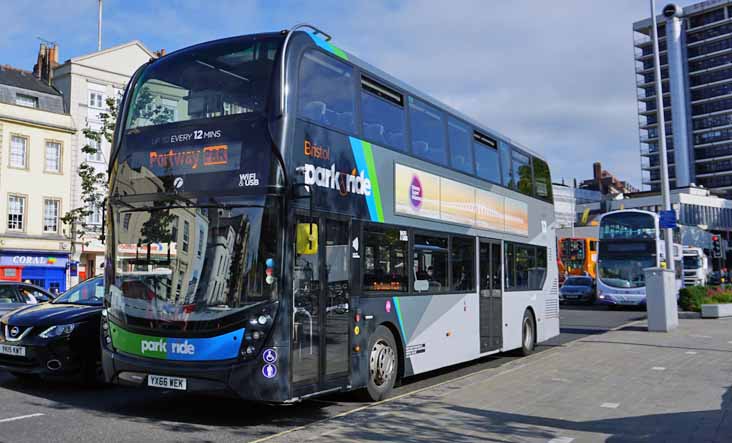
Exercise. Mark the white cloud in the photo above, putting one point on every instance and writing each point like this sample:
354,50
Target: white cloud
555,76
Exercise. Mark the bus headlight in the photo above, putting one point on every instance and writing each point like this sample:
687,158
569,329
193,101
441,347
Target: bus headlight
257,327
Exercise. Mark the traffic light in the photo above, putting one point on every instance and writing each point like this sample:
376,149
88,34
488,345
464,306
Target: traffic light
716,247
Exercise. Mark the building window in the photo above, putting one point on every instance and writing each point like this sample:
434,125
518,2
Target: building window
53,156
18,152
16,212
95,215
96,100
98,156
327,91
430,263
126,222
428,132
385,259
186,235
51,209
26,100
199,251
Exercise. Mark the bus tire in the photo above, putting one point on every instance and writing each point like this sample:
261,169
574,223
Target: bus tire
528,334
383,361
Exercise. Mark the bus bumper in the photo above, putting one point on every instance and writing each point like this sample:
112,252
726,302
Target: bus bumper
239,379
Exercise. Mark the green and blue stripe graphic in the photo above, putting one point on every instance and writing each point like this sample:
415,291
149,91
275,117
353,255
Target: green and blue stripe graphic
398,309
365,162
333,49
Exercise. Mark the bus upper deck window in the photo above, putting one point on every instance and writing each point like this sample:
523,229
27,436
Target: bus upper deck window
428,132
326,91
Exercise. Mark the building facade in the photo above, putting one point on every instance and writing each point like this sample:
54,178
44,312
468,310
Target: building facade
695,48
36,137
86,82
566,199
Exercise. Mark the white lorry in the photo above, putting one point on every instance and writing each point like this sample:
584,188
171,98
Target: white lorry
696,266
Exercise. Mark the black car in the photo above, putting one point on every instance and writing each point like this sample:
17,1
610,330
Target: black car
58,338
577,289
14,295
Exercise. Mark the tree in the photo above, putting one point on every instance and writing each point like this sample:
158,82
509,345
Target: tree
94,184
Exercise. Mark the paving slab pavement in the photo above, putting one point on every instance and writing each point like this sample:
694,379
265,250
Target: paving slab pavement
626,385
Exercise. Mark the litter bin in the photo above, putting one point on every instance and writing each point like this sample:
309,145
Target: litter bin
663,315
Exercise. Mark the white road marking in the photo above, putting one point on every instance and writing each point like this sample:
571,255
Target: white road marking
691,352
560,380
561,440
610,405
658,368
700,336
20,417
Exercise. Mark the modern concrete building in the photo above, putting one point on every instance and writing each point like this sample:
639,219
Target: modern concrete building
86,82
695,45
566,199
35,178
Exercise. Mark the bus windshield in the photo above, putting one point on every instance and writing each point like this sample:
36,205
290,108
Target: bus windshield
625,272
206,81
192,263
628,225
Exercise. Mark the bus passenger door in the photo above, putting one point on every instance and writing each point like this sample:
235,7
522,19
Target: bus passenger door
321,296
336,301
306,290
491,296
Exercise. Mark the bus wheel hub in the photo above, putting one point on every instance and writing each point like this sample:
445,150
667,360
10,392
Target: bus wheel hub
381,362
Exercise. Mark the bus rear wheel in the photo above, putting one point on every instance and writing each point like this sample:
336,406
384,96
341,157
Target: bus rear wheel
528,334
383,364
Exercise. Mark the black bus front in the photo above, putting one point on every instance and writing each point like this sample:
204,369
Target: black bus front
194,226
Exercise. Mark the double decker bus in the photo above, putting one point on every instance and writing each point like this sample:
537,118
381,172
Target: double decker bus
577,256
630,241
286,220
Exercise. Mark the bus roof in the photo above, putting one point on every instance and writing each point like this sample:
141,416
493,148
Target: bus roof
423,95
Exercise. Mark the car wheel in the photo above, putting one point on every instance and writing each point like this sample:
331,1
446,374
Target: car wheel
25,377
383,364
528,334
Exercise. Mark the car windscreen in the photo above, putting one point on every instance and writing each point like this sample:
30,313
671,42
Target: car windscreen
573,281
90,292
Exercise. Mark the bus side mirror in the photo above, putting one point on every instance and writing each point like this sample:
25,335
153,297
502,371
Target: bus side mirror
307,238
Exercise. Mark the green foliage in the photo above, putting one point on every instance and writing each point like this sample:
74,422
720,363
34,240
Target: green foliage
94,186
691,299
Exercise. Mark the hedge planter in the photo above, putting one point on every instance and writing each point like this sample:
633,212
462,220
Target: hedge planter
716,310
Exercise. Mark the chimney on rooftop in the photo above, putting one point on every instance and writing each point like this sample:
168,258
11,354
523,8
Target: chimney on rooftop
597,175
38,67
46,61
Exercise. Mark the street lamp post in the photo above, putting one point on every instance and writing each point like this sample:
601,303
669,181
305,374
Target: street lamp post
665,188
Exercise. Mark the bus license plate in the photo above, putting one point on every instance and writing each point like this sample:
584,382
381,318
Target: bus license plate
18,351
164,382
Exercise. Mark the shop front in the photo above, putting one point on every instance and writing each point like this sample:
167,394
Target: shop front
42,268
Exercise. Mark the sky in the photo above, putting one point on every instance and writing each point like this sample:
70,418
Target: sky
558,77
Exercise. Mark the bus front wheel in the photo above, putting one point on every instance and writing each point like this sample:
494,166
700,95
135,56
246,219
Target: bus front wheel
528,334
383,364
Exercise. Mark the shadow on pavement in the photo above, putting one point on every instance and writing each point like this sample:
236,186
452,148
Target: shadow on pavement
172,411
458,424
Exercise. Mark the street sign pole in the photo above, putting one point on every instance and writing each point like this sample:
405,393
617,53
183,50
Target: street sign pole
665,188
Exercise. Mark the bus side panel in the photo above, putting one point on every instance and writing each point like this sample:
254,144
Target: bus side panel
549,326
436,330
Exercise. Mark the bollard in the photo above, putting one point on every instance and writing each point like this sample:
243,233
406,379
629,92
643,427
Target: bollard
663,314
